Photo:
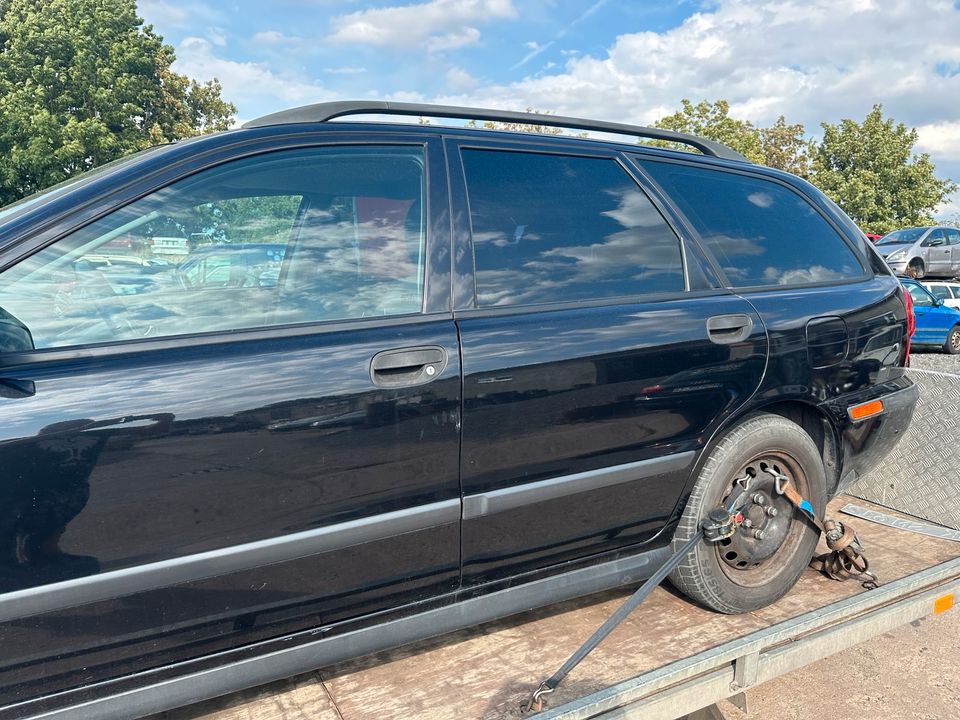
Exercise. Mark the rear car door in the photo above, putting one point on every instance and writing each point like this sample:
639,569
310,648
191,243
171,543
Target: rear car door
192,465
953,240
937,252
593,372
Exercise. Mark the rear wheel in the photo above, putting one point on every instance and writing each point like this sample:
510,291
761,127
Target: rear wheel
766,555
952,345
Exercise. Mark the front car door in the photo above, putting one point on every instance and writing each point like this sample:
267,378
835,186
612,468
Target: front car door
591,379
193,463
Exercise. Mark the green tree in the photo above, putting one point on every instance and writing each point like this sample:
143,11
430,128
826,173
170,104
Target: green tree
83,82
869,170
713,121
521,127
786,147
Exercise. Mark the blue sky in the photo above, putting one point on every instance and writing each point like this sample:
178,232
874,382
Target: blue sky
810,60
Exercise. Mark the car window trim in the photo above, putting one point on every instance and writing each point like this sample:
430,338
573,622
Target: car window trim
135,346
137,188
617,157
748,172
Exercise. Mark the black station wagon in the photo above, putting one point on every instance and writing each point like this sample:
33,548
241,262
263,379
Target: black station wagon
461,373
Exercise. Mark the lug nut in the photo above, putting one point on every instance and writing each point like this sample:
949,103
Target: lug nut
758,534
759,499
747,523
772,511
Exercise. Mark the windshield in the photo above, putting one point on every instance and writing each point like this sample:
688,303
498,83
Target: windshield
900,237
50,192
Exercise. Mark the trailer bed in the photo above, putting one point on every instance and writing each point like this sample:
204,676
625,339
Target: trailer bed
668,658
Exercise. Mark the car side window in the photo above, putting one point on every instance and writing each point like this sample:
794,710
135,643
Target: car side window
953,236
936,237
940,291
291,236
556,228
921,297
761,232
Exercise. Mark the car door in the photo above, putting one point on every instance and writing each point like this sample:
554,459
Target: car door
953,240
189,468
593,371
937,252
932,324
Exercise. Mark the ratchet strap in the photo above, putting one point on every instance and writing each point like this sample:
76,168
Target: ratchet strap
721,523
846,560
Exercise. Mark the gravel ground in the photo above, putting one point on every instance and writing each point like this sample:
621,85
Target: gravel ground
938,361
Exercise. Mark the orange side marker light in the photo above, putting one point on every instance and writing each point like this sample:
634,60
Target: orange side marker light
943,603
865,410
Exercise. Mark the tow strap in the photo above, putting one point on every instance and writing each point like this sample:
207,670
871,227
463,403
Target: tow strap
845,560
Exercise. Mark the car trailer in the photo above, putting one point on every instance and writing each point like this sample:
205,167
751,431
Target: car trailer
669,659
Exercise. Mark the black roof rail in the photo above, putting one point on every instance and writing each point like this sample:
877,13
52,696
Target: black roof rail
323,112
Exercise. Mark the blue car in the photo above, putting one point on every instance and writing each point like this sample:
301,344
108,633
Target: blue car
937,323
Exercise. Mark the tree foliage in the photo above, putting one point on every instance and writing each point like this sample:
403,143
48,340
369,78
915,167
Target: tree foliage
83,82
869,169
786,147
713,121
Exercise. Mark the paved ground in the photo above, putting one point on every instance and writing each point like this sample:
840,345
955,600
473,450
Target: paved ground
912,673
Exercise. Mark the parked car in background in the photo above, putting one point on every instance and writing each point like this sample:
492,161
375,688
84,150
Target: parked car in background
436,376
937,324
945,290
920,252
873,237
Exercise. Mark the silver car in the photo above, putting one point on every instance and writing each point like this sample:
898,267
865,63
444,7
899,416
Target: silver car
922,251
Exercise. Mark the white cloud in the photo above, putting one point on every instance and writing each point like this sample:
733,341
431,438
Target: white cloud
248,84
459,79
271,37
217,36
345,70
436,24
942,138
810,61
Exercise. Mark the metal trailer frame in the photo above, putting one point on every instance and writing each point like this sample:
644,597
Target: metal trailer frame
695,684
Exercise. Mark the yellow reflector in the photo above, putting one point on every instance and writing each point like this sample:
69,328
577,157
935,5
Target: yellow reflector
943,603
865,410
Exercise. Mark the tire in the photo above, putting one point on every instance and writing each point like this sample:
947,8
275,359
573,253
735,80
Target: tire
744,573
916,270
952,344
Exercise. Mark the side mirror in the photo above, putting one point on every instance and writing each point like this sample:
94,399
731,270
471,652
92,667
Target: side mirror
14,335
936,242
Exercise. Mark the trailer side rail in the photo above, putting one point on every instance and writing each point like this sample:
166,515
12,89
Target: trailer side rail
700,680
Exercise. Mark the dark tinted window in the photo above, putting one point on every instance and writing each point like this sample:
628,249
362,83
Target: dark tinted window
286,237
941,291
760,232
551,228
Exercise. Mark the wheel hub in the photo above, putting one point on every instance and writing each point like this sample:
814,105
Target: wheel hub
766,524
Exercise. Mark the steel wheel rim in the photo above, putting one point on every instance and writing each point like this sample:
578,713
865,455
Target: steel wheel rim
955,339
755,563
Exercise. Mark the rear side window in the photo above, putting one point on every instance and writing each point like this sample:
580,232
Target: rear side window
760,232
941,291
953,236
554,228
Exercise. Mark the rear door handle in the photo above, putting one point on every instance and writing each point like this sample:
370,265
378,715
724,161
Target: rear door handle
729,329
404,367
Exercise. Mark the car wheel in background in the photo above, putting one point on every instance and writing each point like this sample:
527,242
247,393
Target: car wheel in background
952,345
916,270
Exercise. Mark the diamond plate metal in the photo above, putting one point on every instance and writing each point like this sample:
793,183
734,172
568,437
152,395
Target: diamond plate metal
921,475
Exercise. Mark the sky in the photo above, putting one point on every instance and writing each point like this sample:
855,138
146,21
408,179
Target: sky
623,61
